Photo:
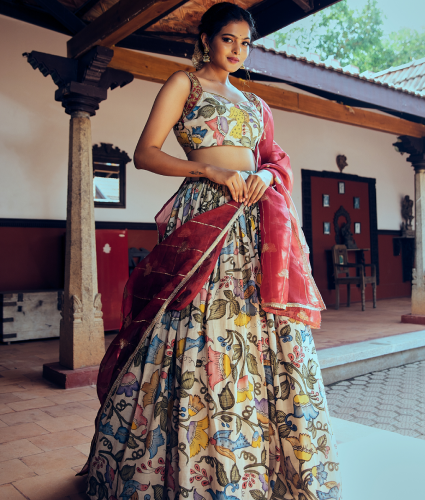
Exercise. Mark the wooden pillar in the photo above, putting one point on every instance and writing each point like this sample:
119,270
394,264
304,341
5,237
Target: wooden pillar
415,147
418,281
81,331
82,84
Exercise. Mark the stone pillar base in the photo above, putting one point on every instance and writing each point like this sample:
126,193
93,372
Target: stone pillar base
414,319
67,378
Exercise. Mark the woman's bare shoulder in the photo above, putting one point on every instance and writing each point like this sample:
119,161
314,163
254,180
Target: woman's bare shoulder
178,82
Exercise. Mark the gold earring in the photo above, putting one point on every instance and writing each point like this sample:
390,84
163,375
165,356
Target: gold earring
243,66
206,58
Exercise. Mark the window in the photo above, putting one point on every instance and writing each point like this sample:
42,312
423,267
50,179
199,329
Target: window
109,165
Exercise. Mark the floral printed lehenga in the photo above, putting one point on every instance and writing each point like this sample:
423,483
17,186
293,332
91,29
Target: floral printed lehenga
212,390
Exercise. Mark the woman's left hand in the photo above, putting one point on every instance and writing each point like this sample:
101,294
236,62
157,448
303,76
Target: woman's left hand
257,185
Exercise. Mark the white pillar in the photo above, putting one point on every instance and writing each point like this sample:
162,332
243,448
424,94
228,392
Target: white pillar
81,332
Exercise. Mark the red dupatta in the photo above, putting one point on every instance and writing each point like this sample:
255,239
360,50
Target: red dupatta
288,287
172,275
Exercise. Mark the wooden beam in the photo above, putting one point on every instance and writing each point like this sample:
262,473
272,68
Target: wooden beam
118,22
63,15
155,69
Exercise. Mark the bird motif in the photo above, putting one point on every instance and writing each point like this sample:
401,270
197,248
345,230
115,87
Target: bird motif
225,446
221,495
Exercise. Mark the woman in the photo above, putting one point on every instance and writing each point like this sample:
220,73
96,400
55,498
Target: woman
212,389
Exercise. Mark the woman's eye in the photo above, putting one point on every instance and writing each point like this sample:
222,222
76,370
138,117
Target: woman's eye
227,40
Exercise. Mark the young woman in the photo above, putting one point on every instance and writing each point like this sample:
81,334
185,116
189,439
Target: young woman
212,390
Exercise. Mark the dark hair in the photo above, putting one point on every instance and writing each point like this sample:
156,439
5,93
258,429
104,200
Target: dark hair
220,15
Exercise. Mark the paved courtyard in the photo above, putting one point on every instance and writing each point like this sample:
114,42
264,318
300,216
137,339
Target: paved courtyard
392,400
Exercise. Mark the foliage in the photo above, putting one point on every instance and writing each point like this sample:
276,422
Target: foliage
355,37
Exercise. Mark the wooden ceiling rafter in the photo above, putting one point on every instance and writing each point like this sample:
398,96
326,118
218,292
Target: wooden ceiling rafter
69,20
118,22
150,68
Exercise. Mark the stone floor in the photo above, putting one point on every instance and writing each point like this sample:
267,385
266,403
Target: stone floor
392,400
351,324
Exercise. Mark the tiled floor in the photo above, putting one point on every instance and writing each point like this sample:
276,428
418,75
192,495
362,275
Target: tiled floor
392,400
351,324
45,432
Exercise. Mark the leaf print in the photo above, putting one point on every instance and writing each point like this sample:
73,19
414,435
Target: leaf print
217,309
228,143
221,110
257,494
312,367
251,362
279,489
263,456
221,474
127,472
212,101
246,143
132,443
298,338
226,398
188,379
234,309
198,318
237,352
284,431
321,442
234,474
206,111
280,416
249,291
286,389
158,491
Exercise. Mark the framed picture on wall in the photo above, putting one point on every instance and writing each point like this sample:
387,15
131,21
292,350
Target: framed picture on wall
326,200
356,202
326,228
357,228
341,187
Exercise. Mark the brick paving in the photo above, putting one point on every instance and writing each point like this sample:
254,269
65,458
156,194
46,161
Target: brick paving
392,400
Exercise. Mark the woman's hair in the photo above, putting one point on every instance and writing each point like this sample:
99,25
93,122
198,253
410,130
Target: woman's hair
221,14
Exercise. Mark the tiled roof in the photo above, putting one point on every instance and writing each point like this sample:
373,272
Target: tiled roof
409,78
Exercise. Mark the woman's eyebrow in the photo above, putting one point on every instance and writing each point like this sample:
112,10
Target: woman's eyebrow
230,34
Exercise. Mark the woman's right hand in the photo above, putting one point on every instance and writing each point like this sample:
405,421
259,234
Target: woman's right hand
230,178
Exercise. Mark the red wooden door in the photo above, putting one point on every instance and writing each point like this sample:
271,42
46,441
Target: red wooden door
112,273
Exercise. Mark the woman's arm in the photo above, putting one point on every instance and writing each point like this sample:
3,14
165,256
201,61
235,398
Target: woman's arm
166,112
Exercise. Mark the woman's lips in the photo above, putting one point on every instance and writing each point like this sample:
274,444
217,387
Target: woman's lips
233,60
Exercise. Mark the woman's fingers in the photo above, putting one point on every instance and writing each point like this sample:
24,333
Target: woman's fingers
258,195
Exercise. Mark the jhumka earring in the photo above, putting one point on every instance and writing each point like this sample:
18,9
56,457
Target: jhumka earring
243,66
206,58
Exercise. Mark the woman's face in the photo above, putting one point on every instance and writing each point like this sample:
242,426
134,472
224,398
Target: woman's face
230,47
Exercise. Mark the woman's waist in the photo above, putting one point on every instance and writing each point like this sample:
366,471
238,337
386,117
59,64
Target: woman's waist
230,157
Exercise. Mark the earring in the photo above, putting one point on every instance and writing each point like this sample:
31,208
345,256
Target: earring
206,58
243,66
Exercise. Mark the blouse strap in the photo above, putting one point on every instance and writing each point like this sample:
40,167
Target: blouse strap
195,94
254,99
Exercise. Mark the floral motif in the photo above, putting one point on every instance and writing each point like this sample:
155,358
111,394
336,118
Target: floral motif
218,367
129,384
303,447
197,437
244,388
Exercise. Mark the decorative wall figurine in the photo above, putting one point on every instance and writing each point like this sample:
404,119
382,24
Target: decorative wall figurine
326,228
341,187
357,228
356,202
407,214
343,234
341,161
326,200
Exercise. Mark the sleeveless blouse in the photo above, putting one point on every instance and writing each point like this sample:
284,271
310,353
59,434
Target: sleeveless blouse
210,119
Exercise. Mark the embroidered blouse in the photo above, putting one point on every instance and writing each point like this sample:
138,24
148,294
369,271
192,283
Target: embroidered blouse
210,119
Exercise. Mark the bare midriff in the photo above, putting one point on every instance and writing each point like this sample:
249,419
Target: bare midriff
230,157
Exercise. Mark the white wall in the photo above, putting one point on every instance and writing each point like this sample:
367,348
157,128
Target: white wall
34,142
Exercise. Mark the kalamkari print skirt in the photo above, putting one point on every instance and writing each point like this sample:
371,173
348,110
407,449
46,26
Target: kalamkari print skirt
223,401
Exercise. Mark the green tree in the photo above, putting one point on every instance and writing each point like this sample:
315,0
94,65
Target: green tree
355,37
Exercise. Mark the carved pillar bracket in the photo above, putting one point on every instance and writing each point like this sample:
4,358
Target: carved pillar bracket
415,147
82,85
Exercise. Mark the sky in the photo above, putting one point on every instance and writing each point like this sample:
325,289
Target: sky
400,14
